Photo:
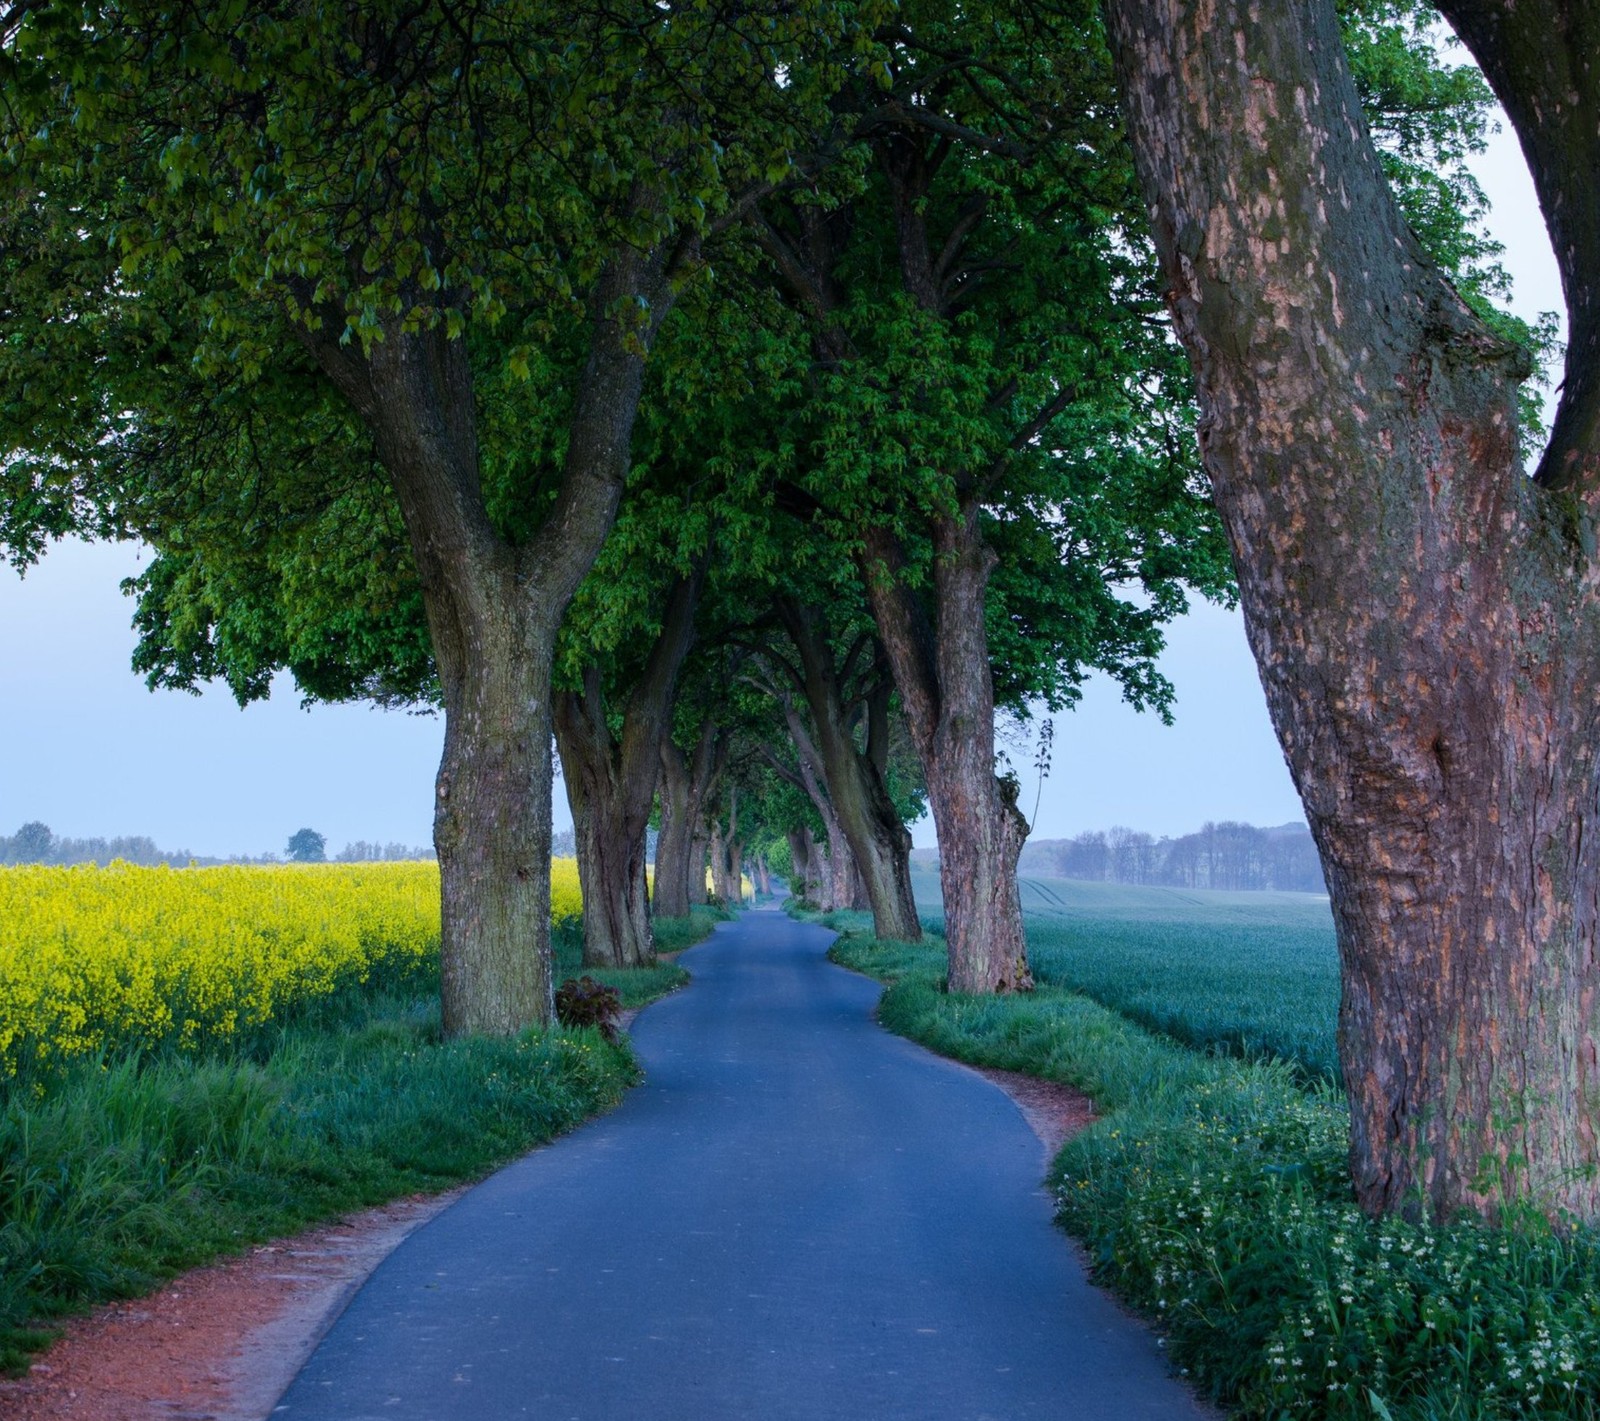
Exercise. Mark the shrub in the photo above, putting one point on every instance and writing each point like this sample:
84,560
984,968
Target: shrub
582,1001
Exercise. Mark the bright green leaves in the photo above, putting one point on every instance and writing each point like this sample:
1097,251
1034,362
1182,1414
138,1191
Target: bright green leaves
1427,117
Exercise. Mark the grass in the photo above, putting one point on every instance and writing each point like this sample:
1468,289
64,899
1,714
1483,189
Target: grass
638,985
1254,974
126,1171
1212,1194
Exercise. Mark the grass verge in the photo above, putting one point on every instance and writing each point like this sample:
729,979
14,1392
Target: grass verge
1212,1195
123,1172
638,986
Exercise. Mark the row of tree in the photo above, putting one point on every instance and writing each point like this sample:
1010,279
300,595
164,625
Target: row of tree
757,397
1227,855
34,842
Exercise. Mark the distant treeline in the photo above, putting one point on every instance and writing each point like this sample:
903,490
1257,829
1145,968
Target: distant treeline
360,851
1228,855
35,843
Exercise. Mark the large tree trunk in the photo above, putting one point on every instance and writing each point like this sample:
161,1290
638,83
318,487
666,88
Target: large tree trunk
611,786
763,878
855,776
494,850
1423,615
493,613
680,849
945,685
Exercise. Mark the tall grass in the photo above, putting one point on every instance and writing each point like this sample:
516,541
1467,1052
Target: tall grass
131,1169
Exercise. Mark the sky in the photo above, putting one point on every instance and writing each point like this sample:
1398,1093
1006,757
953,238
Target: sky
88,750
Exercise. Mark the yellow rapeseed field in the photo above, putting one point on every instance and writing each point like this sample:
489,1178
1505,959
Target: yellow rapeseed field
123,957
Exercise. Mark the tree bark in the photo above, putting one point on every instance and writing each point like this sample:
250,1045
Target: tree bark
675,842
1423,615
763,877
611,865
681,849
799,863
879,842
719,860
820,882
493,614
699,866
611,786
945,686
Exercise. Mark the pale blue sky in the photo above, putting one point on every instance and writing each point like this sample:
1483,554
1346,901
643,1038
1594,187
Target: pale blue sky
88,750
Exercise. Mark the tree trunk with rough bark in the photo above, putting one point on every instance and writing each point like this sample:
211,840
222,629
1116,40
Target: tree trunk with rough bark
763,876
675,842
611,786
945,686
1423,614
718,856
493,611
799,863
856,777
821,881
681,849
699,867
611,864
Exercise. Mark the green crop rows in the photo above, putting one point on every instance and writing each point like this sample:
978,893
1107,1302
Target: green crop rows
1254,974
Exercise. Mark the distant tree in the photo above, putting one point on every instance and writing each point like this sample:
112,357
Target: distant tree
1087,856
32,843
308,846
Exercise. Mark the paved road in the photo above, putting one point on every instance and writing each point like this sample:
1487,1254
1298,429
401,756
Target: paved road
797,1215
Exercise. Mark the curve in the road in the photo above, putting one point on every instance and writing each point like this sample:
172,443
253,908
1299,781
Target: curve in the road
797,1215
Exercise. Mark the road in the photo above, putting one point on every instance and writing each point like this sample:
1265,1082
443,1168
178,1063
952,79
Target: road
797,1215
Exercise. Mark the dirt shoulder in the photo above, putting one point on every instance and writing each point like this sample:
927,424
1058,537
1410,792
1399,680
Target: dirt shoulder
218,1343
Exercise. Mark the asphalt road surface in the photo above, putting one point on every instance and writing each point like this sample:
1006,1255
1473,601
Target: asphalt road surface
797,1215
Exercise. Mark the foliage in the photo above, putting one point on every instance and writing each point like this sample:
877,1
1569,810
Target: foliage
123,958
1427,118
1213,1193
308,846
584,1002
979,290
129,1170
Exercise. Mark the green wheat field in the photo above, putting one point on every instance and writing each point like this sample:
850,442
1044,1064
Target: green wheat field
1252,974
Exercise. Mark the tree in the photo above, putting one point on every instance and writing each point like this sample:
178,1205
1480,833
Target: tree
990,427
688,778
842,733
32,843
401,207
1423,613
611,781
308,846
